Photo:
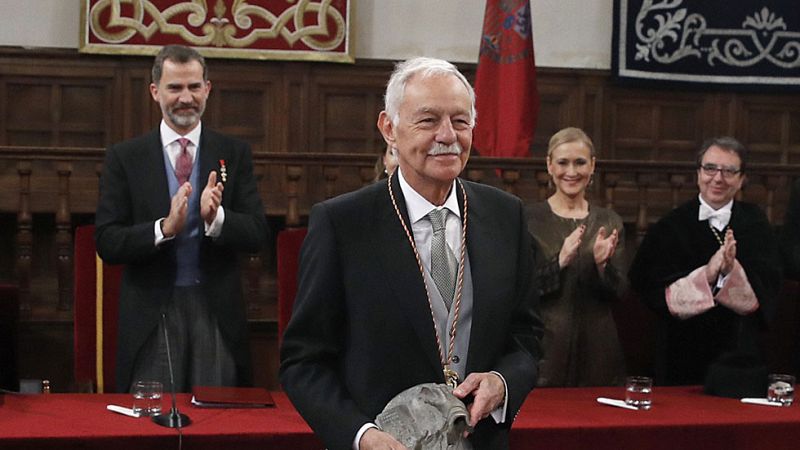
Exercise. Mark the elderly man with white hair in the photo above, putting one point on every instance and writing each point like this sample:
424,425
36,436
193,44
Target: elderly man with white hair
422,278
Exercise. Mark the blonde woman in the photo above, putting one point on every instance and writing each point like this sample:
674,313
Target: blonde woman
579,270
386,163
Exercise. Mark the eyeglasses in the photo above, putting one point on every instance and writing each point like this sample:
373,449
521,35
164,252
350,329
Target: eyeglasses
727,172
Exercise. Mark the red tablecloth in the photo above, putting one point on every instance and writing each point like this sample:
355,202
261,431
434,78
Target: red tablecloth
681,418
63,421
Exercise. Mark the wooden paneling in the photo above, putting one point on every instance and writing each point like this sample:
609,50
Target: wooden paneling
559,105
657,126
45,103
61,98
345,102
312,127
771,127
244,103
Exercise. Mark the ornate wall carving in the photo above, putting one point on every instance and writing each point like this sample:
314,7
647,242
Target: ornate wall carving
315,30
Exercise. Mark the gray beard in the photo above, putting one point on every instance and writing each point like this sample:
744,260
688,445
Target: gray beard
182,120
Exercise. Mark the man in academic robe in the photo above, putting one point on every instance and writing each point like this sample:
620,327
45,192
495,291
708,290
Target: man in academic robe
711,271
177,207
790,235
419,278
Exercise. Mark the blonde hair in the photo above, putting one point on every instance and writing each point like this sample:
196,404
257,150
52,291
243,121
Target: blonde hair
567,135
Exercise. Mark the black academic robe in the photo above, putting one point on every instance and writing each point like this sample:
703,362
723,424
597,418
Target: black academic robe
790,236
679,244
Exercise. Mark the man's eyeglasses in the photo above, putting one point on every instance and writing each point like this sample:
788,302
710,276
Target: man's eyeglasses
712,169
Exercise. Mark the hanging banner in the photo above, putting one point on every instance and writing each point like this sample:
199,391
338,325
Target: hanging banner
253,29
745,43
507,99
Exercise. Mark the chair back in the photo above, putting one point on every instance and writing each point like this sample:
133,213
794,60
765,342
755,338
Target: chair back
96,309
9,320
288,249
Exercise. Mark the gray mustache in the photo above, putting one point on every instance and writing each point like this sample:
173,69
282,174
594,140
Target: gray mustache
441,149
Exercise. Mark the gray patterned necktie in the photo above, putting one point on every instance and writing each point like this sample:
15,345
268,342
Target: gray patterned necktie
443,263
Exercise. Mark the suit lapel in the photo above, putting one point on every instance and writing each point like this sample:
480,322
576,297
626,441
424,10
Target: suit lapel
478,254
155,174
210,152
485,267
402,270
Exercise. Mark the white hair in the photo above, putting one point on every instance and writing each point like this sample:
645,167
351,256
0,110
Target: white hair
425,67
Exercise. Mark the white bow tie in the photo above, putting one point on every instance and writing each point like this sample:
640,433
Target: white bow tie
718,218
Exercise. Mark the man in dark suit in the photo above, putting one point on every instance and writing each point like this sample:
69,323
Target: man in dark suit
177,205
386,297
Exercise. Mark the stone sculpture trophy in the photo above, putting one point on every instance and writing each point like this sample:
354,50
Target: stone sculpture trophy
427,417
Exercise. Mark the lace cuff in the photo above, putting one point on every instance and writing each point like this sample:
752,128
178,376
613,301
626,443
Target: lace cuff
690,295
737,294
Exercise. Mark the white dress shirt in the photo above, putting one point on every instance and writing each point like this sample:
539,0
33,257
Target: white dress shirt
719,219
418,208
169,138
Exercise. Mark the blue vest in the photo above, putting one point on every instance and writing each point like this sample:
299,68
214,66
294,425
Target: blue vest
187,242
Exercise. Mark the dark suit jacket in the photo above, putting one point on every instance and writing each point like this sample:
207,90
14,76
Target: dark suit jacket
134,193
361,331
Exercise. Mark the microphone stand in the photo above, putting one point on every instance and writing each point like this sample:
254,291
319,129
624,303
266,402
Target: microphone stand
173,419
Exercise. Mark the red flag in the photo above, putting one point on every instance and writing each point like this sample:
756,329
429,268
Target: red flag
505,84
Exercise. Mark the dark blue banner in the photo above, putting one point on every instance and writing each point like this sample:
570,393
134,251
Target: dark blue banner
744,43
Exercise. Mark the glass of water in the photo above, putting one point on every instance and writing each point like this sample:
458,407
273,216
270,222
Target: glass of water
639,392
147,398
780,389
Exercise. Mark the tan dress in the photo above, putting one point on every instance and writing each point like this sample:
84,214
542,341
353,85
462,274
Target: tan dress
581,346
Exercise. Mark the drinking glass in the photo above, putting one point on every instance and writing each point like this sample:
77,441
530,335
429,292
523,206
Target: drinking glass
780,389
147,397
639,392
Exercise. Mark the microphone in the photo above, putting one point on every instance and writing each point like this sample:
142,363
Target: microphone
173,419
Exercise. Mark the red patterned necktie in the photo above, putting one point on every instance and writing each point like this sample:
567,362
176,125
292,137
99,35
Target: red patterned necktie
183,164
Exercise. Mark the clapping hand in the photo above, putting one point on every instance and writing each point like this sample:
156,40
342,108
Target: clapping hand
178,211
211,198
721,263
604,247
728,253
569,249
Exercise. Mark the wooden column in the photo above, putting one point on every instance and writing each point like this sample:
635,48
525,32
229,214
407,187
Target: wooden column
293,175
543,181
475,175
771,183
64,237
643,181
367,175
510,178
331,178
610,180
24,236
676,182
